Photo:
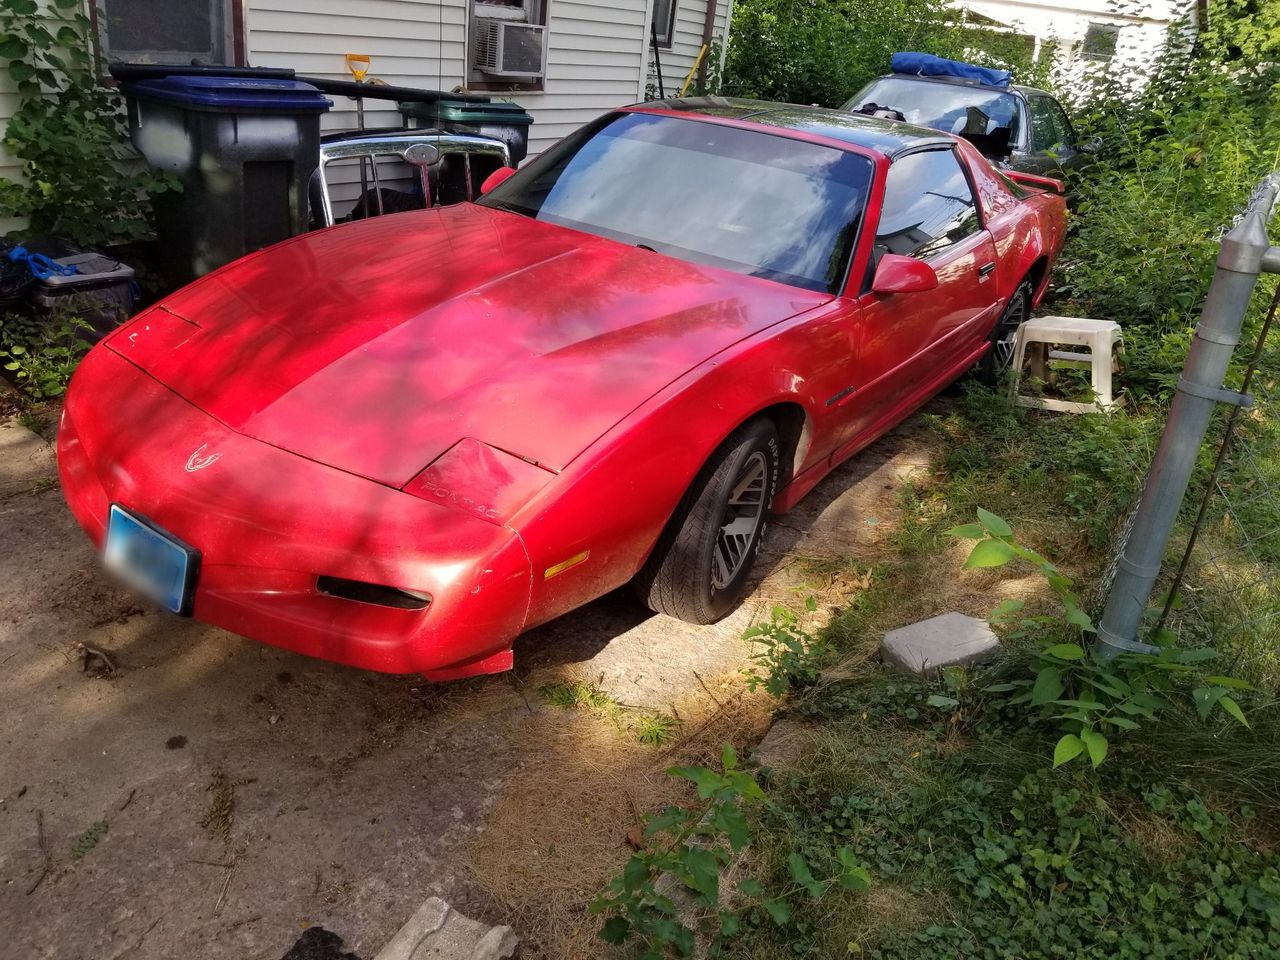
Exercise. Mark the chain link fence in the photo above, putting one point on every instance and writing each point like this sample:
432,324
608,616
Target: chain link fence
1225,589
1216,579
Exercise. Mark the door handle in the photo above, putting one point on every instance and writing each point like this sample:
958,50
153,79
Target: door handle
986,269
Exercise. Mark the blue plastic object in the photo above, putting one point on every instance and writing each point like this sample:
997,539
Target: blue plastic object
41,267
927,65
233,94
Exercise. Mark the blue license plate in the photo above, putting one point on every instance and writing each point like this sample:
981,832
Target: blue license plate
153,562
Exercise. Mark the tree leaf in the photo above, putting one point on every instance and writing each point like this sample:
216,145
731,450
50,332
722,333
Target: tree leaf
750,887
1205,698
944,702
1068,748
615,930
995,524
853,875
728,758
1065,651
730,923
1228,704
1124,723
729,819
1232,682
1048,686
800,874
990,553
1096,744
778,909
13,48
1077,617
966,531
703,871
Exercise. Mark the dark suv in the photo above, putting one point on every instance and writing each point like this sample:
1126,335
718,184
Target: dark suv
1025,128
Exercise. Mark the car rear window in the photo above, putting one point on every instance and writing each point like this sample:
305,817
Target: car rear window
949,107
752,202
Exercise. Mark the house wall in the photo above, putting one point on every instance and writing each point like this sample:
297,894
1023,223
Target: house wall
594,61
597,55
1144,30
686,41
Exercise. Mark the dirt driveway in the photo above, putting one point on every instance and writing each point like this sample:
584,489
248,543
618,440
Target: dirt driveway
211,797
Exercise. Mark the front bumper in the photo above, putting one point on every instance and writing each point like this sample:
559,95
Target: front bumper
267,523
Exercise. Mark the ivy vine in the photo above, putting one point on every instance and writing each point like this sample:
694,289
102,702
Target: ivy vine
81,178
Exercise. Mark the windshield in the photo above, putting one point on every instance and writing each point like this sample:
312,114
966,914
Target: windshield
949,107
751,202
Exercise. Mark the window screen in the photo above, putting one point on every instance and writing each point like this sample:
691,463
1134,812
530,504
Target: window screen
664,19
164,31
928,205
1100,41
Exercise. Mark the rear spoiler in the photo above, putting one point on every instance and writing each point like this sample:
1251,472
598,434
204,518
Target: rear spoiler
1034,182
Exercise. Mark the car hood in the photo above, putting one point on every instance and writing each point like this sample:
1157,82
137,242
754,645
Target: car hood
376,346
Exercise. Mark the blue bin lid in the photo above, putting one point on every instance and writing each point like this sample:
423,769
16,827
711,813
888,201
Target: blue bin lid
232,94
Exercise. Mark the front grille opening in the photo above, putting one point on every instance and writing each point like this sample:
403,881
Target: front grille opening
374,593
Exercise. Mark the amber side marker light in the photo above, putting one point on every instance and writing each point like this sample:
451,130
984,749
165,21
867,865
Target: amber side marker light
564,565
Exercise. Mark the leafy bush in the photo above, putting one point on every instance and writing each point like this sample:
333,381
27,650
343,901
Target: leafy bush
988,862
42,356
824,51
1089,697
1178,162
788,658
693,847
81,180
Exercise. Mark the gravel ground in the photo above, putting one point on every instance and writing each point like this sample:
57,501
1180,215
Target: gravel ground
206,796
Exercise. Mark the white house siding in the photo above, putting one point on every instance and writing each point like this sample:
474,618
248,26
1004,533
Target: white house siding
597,56
686,41
412,43
595,62
10,169
1143,30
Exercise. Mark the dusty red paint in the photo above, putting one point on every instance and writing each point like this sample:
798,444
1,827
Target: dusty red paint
456,400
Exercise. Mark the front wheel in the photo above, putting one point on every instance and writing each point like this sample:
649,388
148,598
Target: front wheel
700,569
1003,338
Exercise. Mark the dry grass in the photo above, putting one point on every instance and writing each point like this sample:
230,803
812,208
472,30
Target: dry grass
559,834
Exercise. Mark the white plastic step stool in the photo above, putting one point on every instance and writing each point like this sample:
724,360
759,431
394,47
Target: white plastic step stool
1102,337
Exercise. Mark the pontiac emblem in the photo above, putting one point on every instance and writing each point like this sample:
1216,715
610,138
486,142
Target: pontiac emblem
198,461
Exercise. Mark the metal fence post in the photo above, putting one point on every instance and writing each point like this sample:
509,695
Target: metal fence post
1240,261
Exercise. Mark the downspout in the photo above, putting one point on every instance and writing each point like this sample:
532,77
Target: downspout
708,28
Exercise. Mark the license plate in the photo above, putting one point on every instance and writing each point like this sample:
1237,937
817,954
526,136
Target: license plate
153,562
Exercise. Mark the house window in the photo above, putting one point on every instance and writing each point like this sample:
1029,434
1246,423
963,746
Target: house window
1100,41
166,31
520,48
664,21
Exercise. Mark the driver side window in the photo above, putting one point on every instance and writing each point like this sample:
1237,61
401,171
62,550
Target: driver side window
928,205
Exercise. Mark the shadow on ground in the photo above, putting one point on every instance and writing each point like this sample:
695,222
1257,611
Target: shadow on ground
208,796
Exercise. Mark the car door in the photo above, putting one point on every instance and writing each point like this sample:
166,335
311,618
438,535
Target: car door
1051,144
908,344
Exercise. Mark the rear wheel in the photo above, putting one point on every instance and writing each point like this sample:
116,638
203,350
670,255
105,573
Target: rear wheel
701,567
996,361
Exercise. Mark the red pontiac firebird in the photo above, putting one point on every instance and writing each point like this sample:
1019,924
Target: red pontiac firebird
399,443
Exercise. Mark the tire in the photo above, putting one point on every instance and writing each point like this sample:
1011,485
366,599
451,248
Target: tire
698,571
995,362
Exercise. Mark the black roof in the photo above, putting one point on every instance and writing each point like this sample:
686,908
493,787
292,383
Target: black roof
884,136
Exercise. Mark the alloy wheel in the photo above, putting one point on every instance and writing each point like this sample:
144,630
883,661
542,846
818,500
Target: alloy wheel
742,521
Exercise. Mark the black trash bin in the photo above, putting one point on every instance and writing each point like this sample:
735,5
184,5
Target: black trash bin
244,149
508,122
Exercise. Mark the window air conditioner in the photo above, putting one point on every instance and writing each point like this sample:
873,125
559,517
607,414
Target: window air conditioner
508,49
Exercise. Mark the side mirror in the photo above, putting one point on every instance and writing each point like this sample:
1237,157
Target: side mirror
1091,146
899,274
498,176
